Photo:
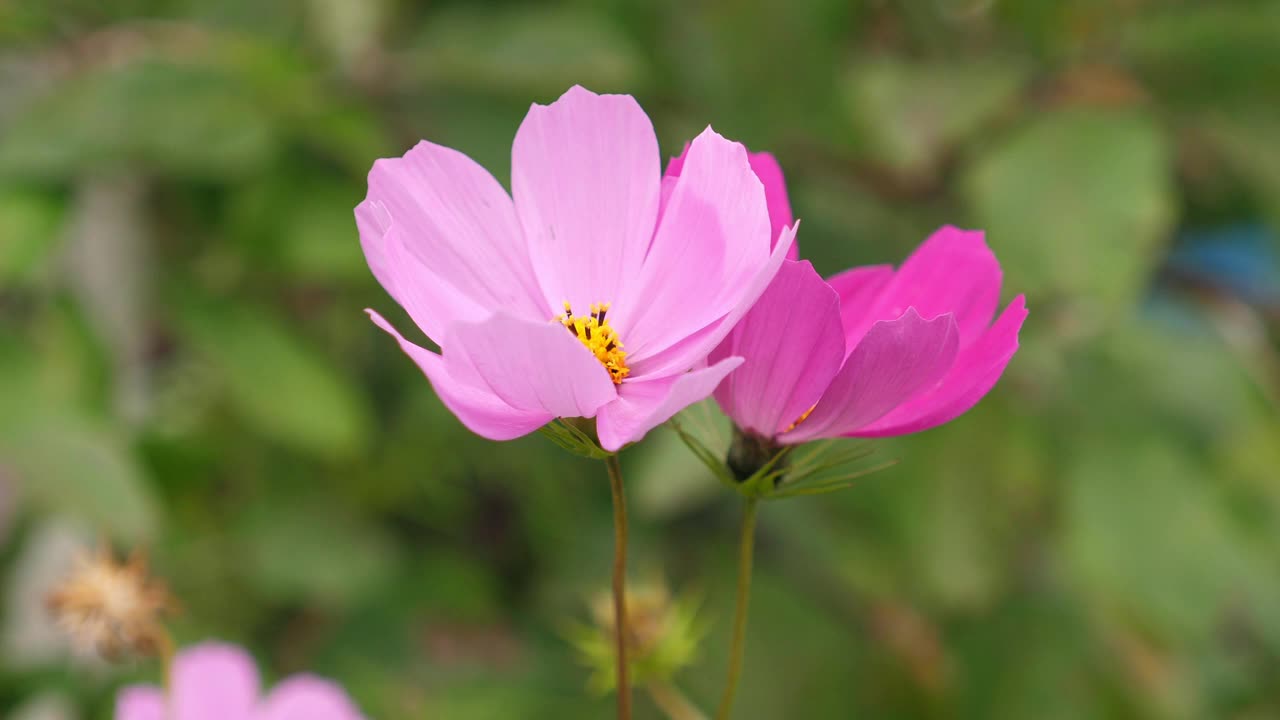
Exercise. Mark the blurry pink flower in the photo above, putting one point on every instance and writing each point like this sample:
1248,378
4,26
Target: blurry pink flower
515,289
220,682
871,352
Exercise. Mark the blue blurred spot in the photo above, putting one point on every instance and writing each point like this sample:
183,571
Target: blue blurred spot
1238,259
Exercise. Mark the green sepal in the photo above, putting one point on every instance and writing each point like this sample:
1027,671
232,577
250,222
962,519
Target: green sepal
793,471
706,455
682,631
573,439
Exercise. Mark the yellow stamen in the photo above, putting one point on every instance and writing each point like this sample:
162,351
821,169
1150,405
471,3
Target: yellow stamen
594,332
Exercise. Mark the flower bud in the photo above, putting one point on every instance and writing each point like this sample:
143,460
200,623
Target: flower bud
662,635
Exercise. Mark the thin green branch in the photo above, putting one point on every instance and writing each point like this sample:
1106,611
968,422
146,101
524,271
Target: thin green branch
620,625
746,553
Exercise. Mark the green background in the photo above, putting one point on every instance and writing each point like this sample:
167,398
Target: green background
185,364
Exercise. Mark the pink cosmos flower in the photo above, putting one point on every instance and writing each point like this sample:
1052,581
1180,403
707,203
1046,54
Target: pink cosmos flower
870,352
220,682
592,290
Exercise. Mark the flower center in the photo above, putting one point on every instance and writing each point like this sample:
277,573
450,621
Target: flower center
594,332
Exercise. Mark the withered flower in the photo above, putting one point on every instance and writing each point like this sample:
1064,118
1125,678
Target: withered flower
113,608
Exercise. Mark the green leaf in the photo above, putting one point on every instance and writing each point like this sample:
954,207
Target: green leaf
1248,143
301,227
527,51
279,384
1076,202
1149,538
185,119
68,464
28,224
1209,54
910,113
311,554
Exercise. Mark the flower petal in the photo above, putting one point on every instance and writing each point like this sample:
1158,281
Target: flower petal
693,349
976,370
642,406
895,360
214,682
766,167
793,346
538,367
140,702
431,301
304,697
858,288
714,236
585,175
484,413
458,222
769,172
952,272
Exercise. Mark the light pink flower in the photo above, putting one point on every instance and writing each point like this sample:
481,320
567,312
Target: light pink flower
488,276
871,352
220,682
767,169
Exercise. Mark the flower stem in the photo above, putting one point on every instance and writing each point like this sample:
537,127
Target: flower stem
673,703
166,652
746,552
620,625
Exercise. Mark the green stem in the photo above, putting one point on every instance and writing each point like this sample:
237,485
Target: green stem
620,625
165,650
746,552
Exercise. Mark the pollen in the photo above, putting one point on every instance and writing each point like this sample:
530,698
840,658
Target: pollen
113,608
595,333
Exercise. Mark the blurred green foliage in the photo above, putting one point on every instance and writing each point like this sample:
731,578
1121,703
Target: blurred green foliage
184,361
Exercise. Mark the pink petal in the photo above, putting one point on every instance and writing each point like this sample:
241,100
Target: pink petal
713,238
303,697
952,272
585,175
976,370
373,221
793,346
895,360
642,406
431,301
483,413
767,169
214,682
693,349
460,225
140,702
538,367
858,288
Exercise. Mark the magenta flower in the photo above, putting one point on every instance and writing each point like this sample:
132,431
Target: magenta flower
871,352
220,682
592,290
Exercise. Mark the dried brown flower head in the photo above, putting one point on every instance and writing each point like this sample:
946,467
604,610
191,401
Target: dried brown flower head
112,608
